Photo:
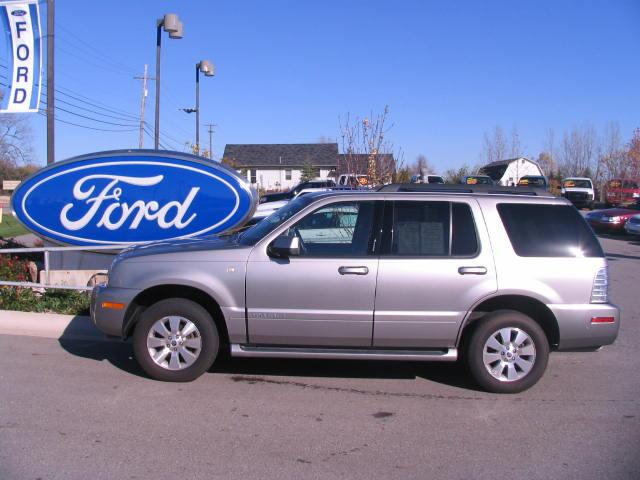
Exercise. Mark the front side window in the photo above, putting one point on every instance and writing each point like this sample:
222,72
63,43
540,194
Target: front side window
261,229
336,230
548,231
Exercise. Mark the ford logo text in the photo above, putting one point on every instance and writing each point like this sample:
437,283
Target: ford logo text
133,196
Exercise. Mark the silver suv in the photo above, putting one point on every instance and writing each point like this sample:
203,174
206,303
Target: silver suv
499,276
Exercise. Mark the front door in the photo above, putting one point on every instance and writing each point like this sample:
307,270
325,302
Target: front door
325,295
436,261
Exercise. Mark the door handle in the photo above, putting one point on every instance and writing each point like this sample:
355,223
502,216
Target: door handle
472,270
353,270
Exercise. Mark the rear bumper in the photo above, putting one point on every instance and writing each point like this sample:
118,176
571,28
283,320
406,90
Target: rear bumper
577,330
110,320
606,226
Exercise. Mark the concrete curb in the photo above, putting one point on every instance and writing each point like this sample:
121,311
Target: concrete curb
49,325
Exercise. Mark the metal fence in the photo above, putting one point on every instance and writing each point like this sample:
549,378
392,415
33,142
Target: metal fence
46,251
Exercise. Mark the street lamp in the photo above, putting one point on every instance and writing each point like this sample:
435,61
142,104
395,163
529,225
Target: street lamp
206,67
169,23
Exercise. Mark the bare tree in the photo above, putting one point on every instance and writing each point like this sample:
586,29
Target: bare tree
633,155
15,136
366,148
495,145
422,166
578,154
611,161
516,145
454,175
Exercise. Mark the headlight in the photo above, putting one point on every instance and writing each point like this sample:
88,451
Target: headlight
262,200
614,219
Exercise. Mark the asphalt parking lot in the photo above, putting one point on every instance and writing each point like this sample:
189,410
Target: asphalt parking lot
78,410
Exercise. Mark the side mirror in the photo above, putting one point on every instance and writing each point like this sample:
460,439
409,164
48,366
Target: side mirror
284,247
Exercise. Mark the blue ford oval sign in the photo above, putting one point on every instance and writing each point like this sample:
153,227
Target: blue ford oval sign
132,196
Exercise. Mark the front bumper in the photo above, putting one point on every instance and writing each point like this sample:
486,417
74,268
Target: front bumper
576,329
111,320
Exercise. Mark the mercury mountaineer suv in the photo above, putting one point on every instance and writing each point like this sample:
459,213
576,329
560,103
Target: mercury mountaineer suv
497,275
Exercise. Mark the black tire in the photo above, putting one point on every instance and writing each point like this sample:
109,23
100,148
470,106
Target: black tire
486,328
186,309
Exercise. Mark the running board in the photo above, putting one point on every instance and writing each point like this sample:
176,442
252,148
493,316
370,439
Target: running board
444,355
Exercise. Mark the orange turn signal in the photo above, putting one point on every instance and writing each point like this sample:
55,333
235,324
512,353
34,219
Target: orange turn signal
603,320
113,305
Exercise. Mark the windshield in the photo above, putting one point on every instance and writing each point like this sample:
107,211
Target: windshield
532,182
571,183
478,180
625,184
252,235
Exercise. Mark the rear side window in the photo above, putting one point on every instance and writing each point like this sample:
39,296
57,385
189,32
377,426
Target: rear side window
548,231
433,229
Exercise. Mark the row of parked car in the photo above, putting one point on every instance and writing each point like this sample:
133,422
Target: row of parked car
622,219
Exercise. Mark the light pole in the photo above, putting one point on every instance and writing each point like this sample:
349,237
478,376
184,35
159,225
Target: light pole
206,67
171,24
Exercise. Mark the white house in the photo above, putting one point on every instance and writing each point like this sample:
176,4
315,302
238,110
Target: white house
279,166
508,172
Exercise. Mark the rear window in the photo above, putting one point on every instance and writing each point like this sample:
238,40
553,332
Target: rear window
548,231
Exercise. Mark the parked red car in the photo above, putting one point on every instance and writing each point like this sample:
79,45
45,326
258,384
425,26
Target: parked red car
622,192
612,219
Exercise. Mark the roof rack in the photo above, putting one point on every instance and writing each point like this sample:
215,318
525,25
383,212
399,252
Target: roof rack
482,189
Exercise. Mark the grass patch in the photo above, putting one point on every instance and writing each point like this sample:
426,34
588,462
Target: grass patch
68,302
10,227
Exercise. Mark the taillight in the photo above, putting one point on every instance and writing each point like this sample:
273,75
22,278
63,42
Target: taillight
600,289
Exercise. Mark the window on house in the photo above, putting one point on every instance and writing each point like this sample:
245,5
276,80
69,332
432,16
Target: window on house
254,176
287,174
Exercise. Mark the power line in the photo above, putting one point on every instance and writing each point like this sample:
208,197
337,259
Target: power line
100,53
87,126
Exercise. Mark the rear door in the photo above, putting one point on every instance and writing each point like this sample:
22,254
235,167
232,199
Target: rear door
436,262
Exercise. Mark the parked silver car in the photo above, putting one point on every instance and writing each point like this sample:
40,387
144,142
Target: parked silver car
498,275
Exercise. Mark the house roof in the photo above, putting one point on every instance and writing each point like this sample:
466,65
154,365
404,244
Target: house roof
282,154
507,162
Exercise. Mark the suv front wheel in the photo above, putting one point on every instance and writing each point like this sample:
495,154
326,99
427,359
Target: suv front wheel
176,340
507,352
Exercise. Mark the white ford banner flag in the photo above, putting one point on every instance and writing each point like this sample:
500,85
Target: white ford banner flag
21,22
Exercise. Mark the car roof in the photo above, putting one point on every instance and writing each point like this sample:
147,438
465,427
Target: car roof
432,189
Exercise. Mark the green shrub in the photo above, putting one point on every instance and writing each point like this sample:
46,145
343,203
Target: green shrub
69,302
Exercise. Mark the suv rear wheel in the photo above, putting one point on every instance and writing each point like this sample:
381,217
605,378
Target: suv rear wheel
175,340
507,352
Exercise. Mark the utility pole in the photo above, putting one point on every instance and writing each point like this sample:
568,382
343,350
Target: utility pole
143,102
51,151
211,125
